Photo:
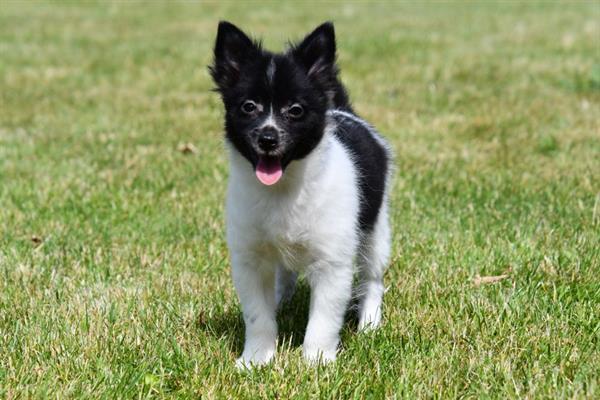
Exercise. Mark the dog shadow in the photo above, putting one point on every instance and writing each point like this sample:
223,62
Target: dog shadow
292,318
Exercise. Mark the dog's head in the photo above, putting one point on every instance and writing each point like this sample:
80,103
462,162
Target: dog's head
275,104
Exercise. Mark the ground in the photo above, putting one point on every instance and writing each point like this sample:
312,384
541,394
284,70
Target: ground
114,273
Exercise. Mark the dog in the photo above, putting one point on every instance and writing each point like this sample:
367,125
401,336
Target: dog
308,190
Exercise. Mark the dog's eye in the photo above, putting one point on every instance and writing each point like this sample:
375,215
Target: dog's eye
249,107
295,111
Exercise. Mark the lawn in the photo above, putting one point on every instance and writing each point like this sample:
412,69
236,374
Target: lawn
114,272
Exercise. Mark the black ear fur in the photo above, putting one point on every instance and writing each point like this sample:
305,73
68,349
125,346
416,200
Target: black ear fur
317,52
233,48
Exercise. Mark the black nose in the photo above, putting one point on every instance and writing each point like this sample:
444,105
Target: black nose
268,140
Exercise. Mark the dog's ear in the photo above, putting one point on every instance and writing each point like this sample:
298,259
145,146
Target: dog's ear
317,53
233,48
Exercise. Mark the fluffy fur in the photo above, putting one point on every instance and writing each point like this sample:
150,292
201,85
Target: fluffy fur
307,190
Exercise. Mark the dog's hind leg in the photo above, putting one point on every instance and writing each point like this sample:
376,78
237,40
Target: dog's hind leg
285,285
372,263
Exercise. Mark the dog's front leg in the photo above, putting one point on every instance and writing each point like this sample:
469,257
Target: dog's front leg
254,282
331,290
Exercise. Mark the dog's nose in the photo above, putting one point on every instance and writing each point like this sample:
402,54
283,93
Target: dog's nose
268,139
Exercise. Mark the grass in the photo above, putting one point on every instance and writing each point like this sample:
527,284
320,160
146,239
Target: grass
114,277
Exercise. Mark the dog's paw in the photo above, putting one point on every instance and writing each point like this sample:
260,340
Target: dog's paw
252,360
315,355
369,324
243,365
246,365
369,318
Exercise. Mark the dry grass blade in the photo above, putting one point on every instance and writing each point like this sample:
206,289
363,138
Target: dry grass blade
187,148
482,280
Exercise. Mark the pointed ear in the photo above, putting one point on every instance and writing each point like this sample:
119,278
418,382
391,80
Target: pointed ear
317,51
233,48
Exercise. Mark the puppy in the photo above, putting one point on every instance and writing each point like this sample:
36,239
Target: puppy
308,188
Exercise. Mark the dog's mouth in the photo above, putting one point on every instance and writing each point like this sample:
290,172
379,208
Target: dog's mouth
268,170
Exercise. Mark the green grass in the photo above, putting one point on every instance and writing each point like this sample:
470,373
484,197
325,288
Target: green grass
114,276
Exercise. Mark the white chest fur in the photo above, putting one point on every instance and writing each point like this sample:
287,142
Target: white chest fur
310,214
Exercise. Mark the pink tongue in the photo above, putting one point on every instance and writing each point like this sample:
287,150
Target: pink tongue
268,170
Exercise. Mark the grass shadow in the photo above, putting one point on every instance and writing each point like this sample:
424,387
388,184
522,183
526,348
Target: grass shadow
226,326
292,318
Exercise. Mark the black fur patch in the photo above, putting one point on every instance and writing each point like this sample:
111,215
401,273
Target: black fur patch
306,74
372,162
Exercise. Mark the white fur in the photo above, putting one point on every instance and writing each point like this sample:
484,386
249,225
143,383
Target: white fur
306,223
271,71
270,121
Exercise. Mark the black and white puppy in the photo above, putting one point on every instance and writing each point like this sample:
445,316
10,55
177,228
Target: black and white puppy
307,193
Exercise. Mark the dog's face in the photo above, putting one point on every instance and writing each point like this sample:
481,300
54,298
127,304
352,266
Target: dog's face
275,104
